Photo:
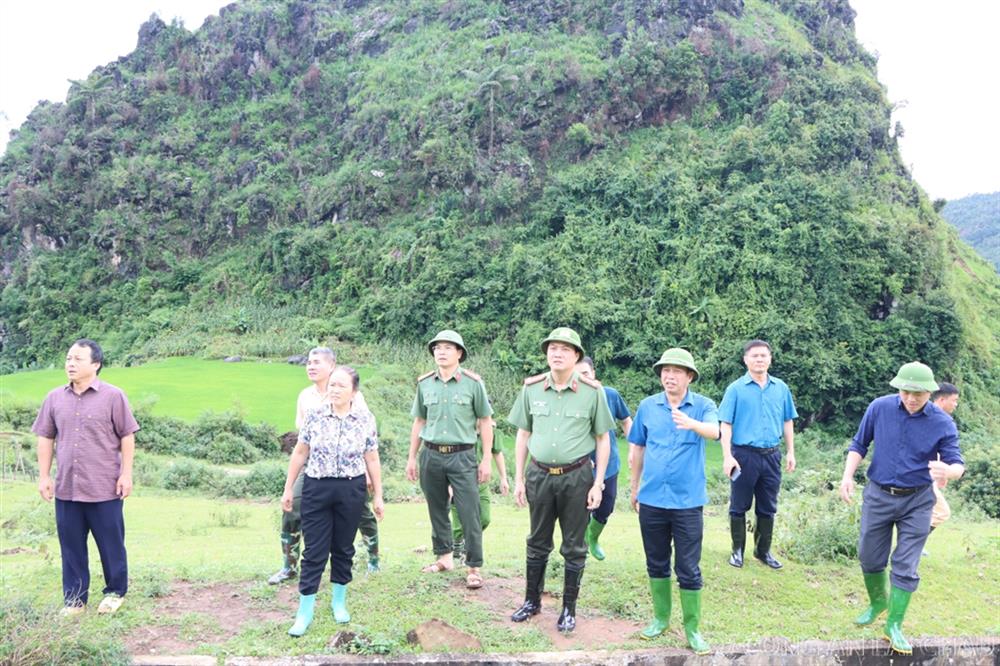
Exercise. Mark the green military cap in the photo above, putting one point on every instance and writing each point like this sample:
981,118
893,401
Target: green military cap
451,336
564,334
914,377
676,356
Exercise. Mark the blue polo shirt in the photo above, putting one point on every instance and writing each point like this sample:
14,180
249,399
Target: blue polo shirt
673,468
620,411
904,442
757,414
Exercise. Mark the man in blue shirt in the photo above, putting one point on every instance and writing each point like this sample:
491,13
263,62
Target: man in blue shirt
667,457
620,411
755,411
916,445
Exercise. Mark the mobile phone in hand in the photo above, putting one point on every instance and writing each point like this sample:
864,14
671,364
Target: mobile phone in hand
735,474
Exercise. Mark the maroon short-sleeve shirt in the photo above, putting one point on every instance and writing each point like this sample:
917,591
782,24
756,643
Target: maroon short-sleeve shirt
88,429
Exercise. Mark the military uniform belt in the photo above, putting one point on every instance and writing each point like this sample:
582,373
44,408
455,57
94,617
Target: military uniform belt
899,492
448,448
562,469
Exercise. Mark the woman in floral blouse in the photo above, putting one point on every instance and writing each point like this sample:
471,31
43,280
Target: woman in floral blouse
337,444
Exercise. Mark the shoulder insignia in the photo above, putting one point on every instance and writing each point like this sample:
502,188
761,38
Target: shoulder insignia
593,383
471,375
425,376
534,380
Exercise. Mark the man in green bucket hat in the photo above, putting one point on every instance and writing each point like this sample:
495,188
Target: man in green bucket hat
451,409
561,418
667,441
916,445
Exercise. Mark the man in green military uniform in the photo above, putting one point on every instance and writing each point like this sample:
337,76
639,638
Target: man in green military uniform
561,418
450,402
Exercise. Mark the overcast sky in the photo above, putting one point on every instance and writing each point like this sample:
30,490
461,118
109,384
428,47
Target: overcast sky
939,61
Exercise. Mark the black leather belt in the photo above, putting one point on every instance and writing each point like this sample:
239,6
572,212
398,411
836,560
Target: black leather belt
562,469
899,492
448,448
761,451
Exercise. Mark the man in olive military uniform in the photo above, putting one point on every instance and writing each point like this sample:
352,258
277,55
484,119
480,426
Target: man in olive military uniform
450,402
561,418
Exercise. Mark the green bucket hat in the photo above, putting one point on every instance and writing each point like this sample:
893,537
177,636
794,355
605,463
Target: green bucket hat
451,336
676,356
914,377
566,335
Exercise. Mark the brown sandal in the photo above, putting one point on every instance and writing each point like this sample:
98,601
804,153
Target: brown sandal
436,567
474,580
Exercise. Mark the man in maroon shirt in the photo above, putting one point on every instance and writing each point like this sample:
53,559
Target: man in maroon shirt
91,428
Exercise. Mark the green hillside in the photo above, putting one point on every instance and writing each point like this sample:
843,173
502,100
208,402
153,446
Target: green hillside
977,218
651,172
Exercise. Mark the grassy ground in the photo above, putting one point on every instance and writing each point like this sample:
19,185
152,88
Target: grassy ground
186,387
177,537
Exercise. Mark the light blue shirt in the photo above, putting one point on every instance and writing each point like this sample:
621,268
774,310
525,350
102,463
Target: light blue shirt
757,414
673,467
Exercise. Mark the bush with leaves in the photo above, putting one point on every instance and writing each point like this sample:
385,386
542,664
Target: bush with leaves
229,448
187,474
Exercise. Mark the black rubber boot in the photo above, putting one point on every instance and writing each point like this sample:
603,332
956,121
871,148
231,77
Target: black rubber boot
738,530
571,590
534,583
762,541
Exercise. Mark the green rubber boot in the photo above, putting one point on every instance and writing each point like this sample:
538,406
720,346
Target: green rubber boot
877,585
594,530
660,589
898,601
691,607
304,616
339,604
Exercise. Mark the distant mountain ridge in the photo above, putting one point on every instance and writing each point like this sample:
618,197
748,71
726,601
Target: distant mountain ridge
977,218
651,172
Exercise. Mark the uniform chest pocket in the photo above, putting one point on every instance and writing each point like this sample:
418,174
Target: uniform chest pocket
431,398
576,414
539,409
462,400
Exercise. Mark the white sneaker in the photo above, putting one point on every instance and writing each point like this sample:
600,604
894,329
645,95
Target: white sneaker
110,604
71,611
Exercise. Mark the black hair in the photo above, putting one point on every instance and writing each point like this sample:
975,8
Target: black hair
944,388
352,373
96,353
755,343
589,361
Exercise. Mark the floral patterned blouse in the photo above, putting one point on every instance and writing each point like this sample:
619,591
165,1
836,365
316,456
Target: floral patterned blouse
337,444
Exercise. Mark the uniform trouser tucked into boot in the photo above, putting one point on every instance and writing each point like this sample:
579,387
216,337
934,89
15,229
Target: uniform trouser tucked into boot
691,607
534,585
757,485
291,537
878,597
762,541
571,591
670,534
599,518
738,533
368,527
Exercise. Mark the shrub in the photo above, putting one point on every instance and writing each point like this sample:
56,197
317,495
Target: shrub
184,474
980,483
232,485
266,479
264,438
165,434
816,529
148,471
18,415
29,524
227,447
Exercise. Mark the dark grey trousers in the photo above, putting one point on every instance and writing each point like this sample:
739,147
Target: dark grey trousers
911,516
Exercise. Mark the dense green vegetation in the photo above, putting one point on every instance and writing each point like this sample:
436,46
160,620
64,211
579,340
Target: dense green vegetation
651,173
977,218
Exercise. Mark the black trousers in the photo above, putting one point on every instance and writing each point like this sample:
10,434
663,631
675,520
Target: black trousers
74,521
760,480
683,527
607,505
331,511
